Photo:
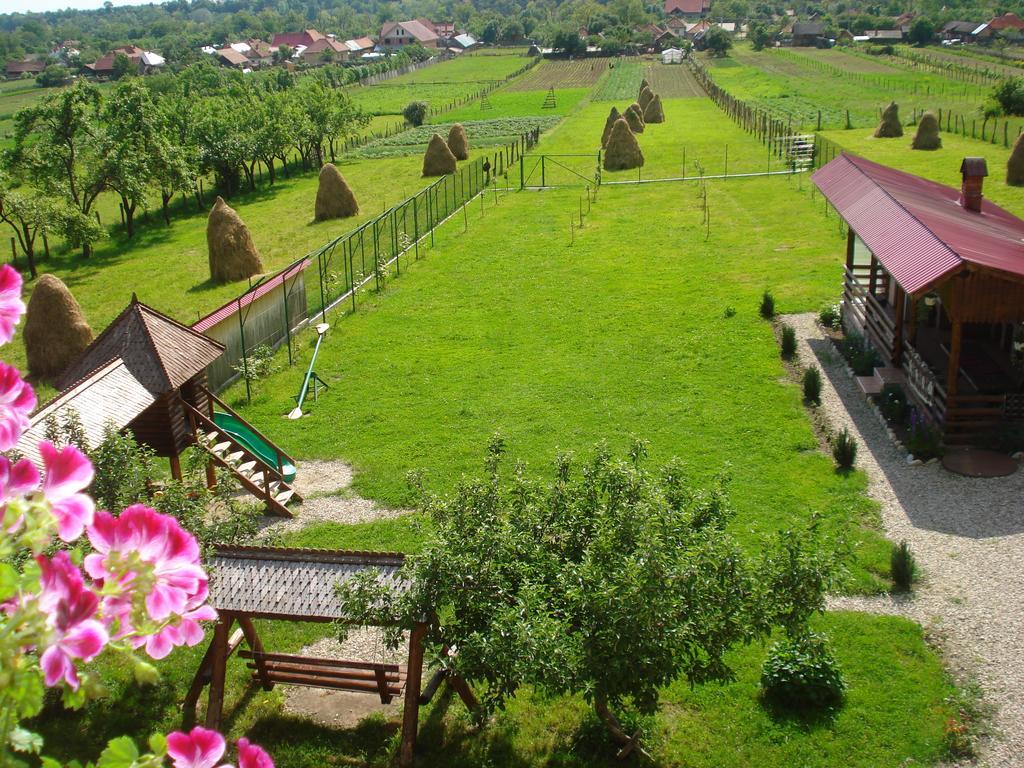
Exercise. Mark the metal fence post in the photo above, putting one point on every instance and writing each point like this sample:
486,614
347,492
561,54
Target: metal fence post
416,225
543,181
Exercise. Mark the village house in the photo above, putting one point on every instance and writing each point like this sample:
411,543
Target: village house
305,38
687,9
935,283
141,62
398,34
25,67
232,58
882,36
360,46
326,50
808,34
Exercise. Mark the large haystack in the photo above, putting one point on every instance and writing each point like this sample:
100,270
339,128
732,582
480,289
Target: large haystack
646,94
1015,165
889,127
623,151
334,198
458,143
233,255
643,84
438,159
634,118
654,112
56,332
612,117
927,136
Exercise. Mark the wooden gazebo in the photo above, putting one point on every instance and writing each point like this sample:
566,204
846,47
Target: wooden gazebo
935,283
299,585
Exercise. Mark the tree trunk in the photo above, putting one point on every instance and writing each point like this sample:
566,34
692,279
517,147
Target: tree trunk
86,250
28,247
271,175
165,198
129,216
620,737
284,164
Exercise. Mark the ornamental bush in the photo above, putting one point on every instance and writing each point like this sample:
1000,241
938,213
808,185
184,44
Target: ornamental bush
767,305
812,385
844,450
415,113
903,567
788,342
801,673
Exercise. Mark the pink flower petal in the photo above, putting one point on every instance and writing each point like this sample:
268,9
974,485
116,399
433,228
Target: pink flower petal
68,471
23,478
199,748
85,641
56,666
252,756
11,305
73,514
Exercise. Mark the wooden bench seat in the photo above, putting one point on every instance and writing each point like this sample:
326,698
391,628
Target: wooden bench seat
386,680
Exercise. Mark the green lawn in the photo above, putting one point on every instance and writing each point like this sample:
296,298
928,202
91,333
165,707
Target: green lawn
509,103
481,133
622,82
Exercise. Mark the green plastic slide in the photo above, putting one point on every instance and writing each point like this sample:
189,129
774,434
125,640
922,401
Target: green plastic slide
240,431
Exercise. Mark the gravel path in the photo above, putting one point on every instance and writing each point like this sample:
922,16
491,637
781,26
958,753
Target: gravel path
327,498
967,535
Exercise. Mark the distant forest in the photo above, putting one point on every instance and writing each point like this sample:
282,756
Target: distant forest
179,28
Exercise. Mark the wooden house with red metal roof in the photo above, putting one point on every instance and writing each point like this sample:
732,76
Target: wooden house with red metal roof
935,283
146,374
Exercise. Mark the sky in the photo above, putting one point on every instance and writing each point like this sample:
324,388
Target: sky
23,6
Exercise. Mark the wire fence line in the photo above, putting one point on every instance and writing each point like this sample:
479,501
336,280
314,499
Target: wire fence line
272,310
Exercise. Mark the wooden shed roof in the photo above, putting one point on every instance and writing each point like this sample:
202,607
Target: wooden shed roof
289,583
161,353
110,395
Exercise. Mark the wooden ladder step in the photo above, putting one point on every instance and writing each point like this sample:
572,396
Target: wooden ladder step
219,448
283,497
246,468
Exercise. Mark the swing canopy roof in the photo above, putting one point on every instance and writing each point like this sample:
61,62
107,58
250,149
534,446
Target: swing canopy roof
293,584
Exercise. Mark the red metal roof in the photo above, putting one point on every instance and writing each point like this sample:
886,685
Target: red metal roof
264,288
917,228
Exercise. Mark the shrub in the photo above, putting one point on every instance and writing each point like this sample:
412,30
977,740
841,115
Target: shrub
730,312
801,673
903,567
767,306
844,449
788,342
812,385
829,316
893,403
1010,95
925,439
415,113
956,738
258,363
859,354
123,468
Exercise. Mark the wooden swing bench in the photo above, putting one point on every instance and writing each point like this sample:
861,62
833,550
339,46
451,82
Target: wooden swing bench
289,584
386,680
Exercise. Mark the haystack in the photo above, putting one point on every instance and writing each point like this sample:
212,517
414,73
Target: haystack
233,255
623,151
927,136
458,143
1015,165
334,198
643,84
646,94
612,117
56,332
890,127
654,113
438,159
634,118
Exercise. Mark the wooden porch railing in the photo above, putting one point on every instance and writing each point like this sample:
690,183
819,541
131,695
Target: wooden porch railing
870,313
924,386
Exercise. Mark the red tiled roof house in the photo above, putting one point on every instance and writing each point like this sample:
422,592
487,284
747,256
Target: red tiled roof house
935,284
398,34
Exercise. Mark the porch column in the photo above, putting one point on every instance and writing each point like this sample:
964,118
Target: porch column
849,248
176,468
873,275
953,374
897,342
912,330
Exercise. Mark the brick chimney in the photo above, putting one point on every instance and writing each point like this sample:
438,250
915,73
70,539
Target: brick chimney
974,171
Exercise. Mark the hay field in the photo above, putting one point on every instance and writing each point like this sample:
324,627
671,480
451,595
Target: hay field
561,74
672,81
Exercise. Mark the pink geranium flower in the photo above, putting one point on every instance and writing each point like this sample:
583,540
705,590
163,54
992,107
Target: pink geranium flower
169,556
185,631
68,472
11,305
252,756
69,607
16,402
199,748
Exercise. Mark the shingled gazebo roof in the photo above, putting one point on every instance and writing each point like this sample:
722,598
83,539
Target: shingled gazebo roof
288,583
160,352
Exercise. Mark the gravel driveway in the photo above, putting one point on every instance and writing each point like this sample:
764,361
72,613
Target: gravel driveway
967,535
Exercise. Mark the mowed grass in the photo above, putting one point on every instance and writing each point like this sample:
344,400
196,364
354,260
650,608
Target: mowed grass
622,82
942,165
672,81
696,136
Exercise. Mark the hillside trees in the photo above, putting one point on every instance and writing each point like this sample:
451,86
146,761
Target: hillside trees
58,147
